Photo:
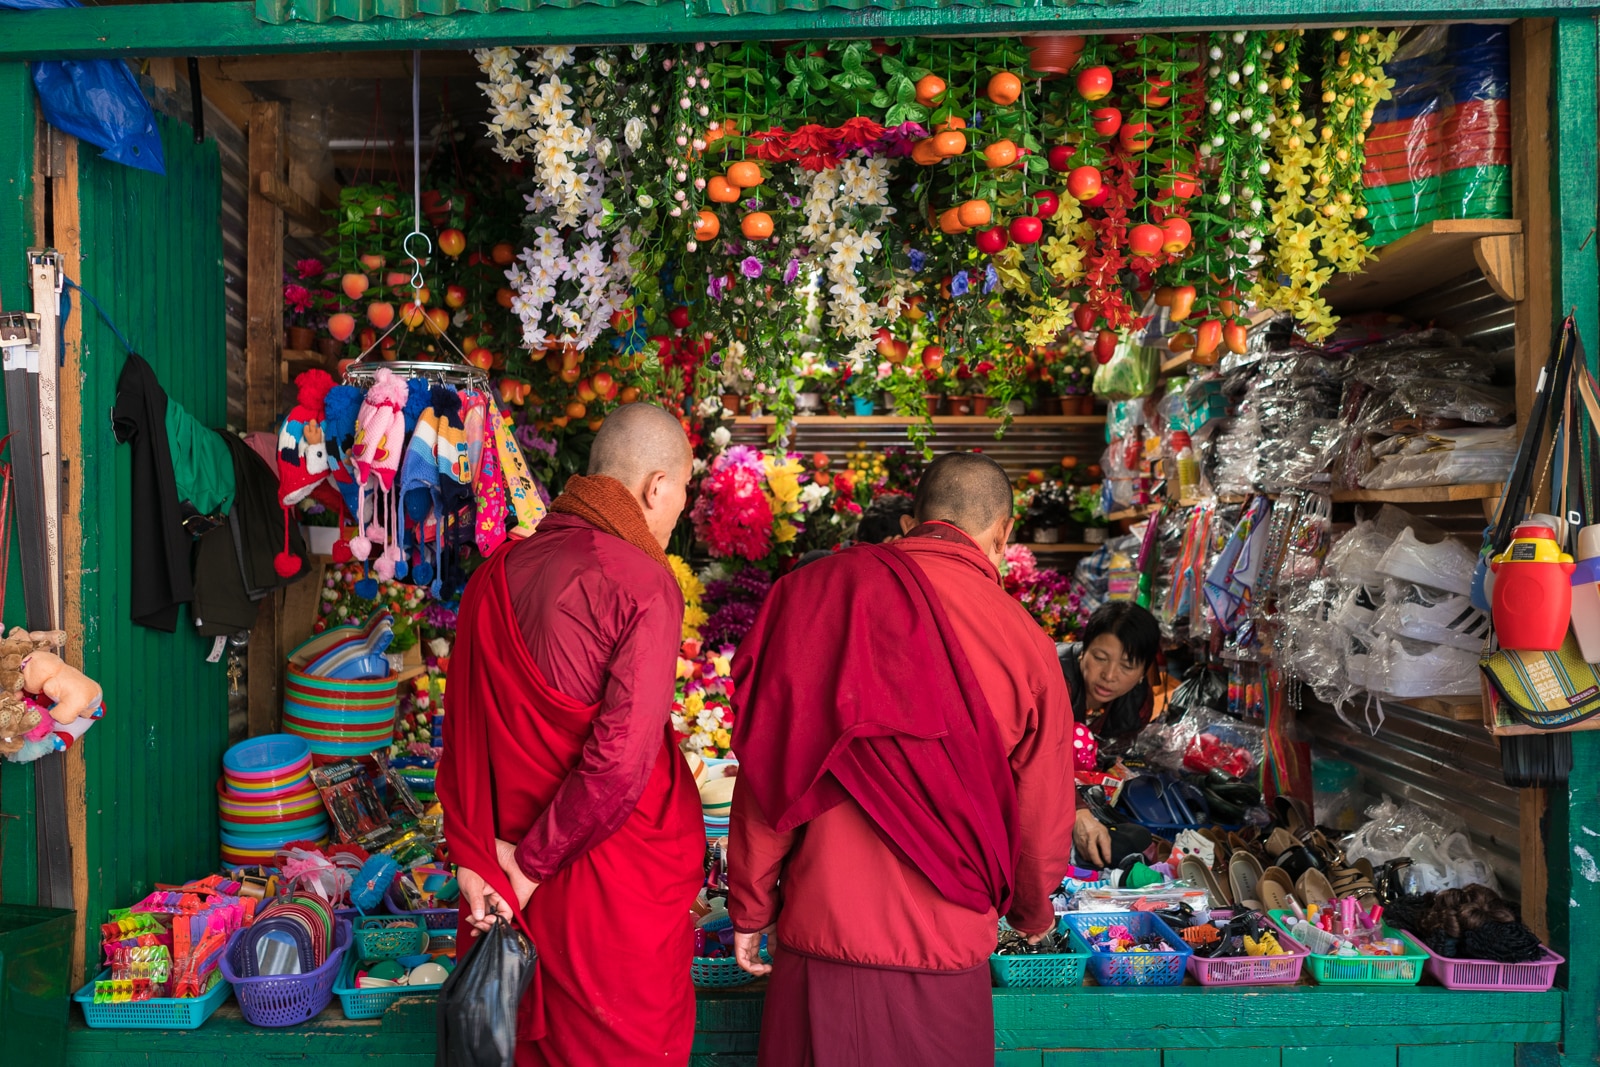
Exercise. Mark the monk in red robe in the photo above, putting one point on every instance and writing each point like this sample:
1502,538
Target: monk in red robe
904,736
568,808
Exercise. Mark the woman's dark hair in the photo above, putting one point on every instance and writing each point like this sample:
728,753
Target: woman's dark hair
881,520
1134,626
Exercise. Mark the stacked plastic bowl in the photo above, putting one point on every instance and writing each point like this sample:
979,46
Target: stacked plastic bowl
266,800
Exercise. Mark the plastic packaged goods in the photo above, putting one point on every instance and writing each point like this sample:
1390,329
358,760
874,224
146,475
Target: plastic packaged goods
1406,669
1445,564
1427,403
1430,615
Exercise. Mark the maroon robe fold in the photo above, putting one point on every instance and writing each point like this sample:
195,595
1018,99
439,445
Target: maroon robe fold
880,706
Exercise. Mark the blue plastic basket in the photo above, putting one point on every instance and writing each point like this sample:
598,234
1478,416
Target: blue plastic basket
1132,968
162,1013
1044,970
371,1003
290,999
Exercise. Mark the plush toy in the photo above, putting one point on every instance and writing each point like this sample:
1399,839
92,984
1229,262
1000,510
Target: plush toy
73,694
18,717
45,705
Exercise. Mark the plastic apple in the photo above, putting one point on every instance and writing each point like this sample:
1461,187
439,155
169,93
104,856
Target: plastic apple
1084,183
452,242
679,318
481,358
1046,203
933,357
412,314
1105,120
342,326
622,320
992,240
354,285
503,254
1060,156
1026,230
1145,239
1094,83
372,263
455,296
587,392
1177,235
438,320
604,384
1136,136
380,313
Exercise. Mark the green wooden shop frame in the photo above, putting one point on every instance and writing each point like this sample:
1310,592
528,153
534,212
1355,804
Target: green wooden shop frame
1194,1027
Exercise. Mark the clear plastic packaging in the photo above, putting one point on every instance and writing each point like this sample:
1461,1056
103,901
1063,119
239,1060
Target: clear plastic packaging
1423,403
1430,615
1406,669
1446,564
1442,457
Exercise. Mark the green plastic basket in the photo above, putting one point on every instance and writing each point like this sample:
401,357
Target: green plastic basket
371,1003
721,972
379,937
160,1013
1045,970
1364,970
35,983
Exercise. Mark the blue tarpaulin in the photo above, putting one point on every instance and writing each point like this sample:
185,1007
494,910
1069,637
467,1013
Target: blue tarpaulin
98,101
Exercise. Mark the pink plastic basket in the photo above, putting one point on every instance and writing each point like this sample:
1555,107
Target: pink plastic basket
1535,977
1253,970
288,1000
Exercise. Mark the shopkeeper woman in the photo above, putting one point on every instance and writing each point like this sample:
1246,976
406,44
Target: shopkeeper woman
1108,679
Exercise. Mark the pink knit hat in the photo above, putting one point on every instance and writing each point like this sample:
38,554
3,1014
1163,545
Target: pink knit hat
381,429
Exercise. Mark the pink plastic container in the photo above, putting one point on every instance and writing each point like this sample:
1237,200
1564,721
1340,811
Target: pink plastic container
1254,970
1536,977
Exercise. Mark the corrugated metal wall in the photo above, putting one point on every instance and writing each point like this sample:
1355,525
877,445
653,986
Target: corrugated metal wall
1441,763
153,257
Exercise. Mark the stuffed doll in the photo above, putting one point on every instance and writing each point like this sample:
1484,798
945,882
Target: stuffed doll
57,703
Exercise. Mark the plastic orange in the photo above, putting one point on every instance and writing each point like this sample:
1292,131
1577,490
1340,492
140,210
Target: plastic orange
950,143
924,153
576,410
950,221
930,89
757,226
954,122
707,226
745,174
1004,88
974,213
1000,154
722,191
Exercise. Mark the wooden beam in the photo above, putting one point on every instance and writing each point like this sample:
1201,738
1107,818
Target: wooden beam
362,65
1501,260
1530,199
263,348
230,98
277,191
232,28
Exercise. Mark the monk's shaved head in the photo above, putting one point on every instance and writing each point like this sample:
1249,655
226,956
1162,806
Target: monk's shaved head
636,440
965,489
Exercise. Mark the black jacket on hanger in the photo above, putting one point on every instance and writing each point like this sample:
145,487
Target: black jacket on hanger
160,579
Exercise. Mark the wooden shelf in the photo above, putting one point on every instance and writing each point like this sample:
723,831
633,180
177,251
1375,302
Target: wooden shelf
1430,256
1175,364
938,420
1134,513
1422,494
1460,709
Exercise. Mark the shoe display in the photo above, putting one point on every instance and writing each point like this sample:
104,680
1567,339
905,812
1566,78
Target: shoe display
1404,668
1424,614
1447,565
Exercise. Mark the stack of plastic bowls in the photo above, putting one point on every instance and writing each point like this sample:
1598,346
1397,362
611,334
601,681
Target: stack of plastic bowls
341,717
266,799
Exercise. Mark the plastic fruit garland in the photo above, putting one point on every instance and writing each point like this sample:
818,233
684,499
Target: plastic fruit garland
1094,83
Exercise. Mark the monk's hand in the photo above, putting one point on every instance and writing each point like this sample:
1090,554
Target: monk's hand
521,884
1092,840
483,903
747,950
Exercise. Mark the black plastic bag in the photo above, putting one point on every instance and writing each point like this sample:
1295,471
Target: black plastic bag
1203,687
478,1004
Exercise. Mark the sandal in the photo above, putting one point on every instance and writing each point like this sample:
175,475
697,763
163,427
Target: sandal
1244,871
1351,882
1192,869
1314,888
1293,815
1275,888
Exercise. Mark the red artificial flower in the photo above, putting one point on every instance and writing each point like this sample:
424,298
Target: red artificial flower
859,132
771,145
308,268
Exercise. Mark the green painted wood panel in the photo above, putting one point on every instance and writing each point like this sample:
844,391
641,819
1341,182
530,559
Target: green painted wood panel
1122,1057
1018,1058
18,846
1446,1055
152,257
230,27
1233,1057
279,11
1340,1056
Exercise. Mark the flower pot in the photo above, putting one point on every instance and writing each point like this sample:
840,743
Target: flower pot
319,539
330,347
1017,407
862,405
808,402
935,404
980,405
1068,404
962,405
302,338
1094,535
1053,53
733,402
1047,535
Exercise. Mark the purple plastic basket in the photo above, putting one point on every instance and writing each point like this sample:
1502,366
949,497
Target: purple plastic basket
436,919
1535,977
290,999
1253,970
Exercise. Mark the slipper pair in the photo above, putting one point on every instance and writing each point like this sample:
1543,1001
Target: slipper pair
1270,889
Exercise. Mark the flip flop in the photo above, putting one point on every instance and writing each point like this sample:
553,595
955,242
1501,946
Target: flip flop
1244,871
1314,888
1275,888
1192,869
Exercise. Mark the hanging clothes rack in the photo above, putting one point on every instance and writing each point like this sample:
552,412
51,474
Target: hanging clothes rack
457,372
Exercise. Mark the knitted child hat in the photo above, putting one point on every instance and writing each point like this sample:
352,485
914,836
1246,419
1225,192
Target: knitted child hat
380,429
302,456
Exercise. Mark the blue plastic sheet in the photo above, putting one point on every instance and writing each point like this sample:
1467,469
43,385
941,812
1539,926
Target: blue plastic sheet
98,101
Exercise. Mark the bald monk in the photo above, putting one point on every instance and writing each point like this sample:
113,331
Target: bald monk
567,806
903,731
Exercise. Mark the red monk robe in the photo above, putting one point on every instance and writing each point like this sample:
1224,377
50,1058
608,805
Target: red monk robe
877,964
557,738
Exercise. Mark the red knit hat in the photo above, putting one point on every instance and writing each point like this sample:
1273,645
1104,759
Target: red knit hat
302,456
